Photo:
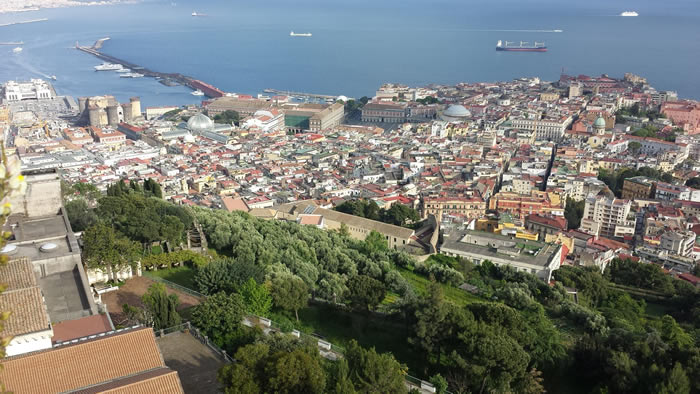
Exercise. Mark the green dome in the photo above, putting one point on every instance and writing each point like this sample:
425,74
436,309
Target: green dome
599,123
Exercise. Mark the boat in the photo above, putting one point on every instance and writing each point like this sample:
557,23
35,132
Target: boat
198,14
558,31
629,13
108,67
53,77
17,50
123,70
293,34
130,75
522,47
197,93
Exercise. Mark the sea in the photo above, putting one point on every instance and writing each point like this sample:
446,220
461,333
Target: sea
244,46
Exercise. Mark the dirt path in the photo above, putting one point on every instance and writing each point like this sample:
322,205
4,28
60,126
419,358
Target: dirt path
131,294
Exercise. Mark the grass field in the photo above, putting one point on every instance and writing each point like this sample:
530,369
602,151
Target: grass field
369,330
452,294
183,276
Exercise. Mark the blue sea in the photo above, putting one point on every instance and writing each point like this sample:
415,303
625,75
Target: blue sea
244,46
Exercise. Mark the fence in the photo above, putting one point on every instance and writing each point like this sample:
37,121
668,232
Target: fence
174,285
413,382
188,328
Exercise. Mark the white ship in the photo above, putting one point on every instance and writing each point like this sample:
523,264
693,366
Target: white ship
198,14
629,13
123,70
108,67
131,75
293,34
197,93
53,77
17,50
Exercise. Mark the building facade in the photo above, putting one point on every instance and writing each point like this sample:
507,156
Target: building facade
607,217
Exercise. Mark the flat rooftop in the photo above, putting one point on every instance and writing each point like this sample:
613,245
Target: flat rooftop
65,296
195,362
501,247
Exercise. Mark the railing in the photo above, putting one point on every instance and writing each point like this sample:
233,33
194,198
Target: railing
173,285
422,385
187,327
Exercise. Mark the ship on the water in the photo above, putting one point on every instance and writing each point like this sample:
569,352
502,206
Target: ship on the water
17,50
629,13
293,34
522,47
197,93
108,67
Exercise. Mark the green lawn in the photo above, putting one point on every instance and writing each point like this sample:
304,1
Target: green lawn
655,310
452,294
183,276
339,327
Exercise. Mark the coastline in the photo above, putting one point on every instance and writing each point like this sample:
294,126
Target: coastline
38,5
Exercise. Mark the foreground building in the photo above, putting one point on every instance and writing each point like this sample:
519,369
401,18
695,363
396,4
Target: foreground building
537,258
122,361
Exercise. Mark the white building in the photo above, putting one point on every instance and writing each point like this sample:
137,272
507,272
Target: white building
607,216
679,243
35,89
545,129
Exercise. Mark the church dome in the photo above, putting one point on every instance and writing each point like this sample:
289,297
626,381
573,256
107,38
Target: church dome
457,111
200,122
599,123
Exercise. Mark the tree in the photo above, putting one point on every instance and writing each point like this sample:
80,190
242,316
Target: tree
247,374
256,298
693,182
375,243
574,212
106,250
364,292
295,372
227,117
676,382
399,215
634,147
79,214
437,323
440,383
219,316
372,372
161,308
290,294
260,368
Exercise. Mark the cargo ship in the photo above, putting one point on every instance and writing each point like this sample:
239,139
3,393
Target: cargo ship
522,47
293,34
207,89
629,13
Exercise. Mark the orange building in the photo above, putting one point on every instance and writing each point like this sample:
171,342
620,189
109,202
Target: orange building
538,202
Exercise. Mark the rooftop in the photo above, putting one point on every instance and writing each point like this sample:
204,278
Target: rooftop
96,361
499,246
23,298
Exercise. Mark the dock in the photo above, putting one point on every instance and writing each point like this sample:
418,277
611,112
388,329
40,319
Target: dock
299,94
23,22
165,78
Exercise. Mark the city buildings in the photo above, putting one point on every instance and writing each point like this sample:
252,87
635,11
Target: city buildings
608,217
35,89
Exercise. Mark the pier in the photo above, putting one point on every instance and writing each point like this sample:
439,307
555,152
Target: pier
23,22
299,94
165,78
